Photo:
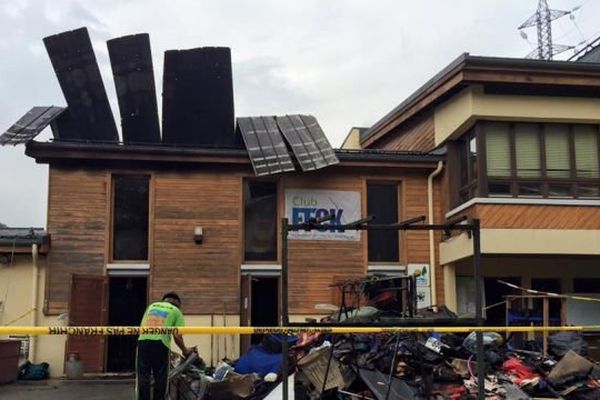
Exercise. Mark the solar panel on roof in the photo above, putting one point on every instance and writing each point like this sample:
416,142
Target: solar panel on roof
266,148
308,141
30,125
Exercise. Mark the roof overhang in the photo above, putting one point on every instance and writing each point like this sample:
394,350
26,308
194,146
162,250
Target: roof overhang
61,152
20,240
501,74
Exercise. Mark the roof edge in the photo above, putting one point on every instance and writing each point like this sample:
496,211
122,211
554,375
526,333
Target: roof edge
44,152
465,61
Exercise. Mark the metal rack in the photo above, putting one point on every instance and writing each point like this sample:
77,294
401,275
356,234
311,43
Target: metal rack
414,224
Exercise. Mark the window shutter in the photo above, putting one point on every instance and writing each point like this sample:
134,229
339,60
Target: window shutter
527,144
557,151
497,149
586,151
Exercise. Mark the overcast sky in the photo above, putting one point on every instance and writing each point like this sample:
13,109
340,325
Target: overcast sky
348,62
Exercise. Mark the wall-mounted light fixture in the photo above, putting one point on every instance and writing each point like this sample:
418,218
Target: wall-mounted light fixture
198,234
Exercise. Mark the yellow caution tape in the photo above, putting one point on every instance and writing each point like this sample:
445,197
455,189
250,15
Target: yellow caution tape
248,330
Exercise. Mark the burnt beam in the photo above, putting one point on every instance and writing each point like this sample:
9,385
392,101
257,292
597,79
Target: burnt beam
88,116
131,62
198,98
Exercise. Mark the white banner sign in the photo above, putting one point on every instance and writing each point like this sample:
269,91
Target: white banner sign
303,204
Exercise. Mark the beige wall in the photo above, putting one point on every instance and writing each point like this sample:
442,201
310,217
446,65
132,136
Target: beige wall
564,267
453,117
213,348
16,285
352,141
524,241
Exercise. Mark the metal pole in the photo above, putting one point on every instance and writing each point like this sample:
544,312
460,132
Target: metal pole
478,306
285,318
284,305
391,375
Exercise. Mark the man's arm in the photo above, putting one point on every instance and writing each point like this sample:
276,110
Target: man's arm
179,342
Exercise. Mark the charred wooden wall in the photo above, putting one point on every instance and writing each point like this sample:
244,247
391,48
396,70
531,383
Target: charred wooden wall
207,275
78,226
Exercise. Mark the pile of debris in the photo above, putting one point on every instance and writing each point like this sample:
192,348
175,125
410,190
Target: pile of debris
398,366
393,366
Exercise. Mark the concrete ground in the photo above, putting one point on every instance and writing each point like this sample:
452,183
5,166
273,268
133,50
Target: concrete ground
58,389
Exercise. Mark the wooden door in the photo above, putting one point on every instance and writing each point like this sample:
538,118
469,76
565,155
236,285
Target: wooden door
245,310
88,307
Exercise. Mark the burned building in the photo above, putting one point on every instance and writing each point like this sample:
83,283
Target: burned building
196,205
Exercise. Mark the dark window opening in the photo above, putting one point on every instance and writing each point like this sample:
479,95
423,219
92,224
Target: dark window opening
264,303
495,293
382,202
586,285
551,285
260,221
132,292
130,217
499,189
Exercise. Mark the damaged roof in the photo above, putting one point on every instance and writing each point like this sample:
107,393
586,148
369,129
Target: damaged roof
46,152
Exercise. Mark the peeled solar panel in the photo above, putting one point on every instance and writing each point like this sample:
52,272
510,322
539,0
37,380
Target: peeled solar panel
266,148
30,125
131,61
319,138
309,144
198,98
89,116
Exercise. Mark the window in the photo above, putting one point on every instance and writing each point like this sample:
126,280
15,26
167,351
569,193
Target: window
528,160
382,202
130,217
260,221
468,169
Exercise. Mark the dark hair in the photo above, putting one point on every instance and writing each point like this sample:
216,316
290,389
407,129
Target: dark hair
171,295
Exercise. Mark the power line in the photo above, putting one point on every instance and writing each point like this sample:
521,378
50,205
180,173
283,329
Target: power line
542,20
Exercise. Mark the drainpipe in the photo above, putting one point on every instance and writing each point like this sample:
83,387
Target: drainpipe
34,299
435,173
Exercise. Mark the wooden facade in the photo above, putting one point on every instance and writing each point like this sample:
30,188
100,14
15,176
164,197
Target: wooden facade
531,216
78,209
415,135
207,275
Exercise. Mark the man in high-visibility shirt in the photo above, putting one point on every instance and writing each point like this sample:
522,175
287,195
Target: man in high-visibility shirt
153,350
